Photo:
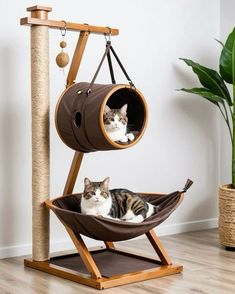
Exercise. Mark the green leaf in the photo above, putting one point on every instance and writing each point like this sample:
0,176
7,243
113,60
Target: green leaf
210,79
205,93
227,62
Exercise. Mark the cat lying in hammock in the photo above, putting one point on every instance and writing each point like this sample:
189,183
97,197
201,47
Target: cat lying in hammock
115,123
118,204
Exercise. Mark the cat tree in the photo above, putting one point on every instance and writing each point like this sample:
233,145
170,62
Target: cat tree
67,266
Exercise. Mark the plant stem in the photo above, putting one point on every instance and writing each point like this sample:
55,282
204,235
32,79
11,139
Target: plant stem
233,118
227,121
233,143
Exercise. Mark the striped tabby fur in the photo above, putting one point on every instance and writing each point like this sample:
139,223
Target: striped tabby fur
119,204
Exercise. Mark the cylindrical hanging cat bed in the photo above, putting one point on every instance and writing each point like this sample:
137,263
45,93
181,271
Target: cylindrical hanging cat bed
79,116
80,111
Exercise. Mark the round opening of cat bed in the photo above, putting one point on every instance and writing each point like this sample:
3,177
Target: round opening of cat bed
77,119
136,113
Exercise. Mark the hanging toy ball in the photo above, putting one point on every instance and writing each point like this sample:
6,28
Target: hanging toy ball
62,59
63,44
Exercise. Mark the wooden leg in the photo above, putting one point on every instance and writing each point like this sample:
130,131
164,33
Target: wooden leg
73,173
153,239
84,253
109,245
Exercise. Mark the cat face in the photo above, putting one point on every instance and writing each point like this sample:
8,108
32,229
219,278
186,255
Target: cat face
96,192
115,119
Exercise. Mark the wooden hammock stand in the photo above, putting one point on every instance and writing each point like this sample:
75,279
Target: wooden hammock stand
91,274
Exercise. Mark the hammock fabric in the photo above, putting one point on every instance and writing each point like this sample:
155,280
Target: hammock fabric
67,209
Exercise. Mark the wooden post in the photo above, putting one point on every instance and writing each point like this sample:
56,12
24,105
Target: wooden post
77,58
40,133
73,173
73,70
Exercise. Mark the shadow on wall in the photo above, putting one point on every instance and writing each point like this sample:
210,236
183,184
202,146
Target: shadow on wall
201,136
12,164
7,148
198,122
201,113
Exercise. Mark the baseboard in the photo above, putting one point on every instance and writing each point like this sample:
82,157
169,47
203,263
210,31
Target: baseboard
177,228
62,245
26,249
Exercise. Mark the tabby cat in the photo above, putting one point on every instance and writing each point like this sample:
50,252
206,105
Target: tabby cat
115,123
118,204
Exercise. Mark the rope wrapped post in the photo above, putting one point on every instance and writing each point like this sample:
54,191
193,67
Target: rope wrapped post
40,133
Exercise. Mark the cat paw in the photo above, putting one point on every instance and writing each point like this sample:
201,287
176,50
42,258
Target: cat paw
110,217
124,140
130,136
137,219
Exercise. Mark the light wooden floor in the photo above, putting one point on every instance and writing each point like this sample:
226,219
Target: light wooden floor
207,269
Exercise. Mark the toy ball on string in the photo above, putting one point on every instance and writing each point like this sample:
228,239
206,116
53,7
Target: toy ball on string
62,59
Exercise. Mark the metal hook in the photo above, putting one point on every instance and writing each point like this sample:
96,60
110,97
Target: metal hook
64,29
109,35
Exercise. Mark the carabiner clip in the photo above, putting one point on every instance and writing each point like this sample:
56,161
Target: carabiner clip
64,29
109,36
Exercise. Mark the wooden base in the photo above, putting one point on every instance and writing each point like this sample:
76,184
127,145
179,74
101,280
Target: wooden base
127,268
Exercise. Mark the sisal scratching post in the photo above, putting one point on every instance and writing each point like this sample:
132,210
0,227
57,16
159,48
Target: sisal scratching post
40,138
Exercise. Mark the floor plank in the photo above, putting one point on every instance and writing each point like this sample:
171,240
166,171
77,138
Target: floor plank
208,269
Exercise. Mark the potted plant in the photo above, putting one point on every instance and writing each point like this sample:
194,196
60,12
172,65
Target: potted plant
214,89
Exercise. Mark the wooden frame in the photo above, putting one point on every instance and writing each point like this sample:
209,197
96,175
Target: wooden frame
104,282
94,277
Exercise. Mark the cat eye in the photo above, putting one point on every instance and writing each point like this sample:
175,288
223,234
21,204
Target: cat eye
92,193
111,119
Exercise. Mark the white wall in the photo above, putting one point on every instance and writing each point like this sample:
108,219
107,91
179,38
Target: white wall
226,25
183,131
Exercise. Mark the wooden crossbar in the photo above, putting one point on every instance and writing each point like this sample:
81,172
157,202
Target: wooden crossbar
70,26
39,16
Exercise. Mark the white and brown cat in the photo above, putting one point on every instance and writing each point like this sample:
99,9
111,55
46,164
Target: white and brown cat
118,204
115,123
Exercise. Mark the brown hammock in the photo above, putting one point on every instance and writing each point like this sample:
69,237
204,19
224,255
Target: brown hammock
67,209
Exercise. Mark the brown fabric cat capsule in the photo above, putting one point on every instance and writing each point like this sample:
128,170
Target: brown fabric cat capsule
79,115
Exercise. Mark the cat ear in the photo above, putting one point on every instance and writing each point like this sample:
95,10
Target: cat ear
106,182
87,182
123,110
106,109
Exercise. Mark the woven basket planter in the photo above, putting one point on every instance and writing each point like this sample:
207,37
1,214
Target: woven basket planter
227,216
